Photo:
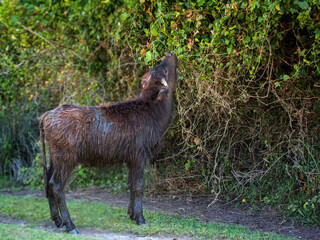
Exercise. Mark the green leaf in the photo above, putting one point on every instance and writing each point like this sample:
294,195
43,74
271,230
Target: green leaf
148,56
187,165
304,5
201,2
154,32
247,39
302,52
14,19
124,16
286,77
317,32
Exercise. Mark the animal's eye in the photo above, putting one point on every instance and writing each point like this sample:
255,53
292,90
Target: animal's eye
165,71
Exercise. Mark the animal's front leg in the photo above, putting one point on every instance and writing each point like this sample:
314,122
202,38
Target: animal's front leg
131,202
136,192
138,187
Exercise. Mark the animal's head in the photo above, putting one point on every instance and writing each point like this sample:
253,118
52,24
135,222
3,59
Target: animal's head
162,78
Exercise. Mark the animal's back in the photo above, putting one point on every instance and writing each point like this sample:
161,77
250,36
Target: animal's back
65,125
101,136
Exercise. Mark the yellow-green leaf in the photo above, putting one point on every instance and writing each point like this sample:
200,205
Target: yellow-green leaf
154,32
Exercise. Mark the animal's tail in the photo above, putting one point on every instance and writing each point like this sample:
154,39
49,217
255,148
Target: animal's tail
44,161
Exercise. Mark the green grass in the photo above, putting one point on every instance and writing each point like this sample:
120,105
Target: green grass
102,216
17,232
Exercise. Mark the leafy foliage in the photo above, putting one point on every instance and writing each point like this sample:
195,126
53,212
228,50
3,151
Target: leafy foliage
247,119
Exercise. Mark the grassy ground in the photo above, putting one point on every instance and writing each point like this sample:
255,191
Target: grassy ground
101,216
17,232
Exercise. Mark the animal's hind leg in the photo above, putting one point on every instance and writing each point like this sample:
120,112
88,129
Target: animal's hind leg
54,209
57,183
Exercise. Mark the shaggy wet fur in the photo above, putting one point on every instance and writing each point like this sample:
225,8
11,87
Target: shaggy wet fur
128,132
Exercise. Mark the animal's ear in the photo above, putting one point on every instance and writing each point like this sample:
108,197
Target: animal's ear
145,80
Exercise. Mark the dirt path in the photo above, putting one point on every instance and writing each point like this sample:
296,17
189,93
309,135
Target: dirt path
260,220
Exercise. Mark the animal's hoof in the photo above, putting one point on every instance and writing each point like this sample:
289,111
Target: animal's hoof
144,224
58,222
74,231
131,215
141,220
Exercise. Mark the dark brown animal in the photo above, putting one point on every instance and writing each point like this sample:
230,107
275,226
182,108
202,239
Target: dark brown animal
129,132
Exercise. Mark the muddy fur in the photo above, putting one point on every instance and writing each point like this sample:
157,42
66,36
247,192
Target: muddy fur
128,132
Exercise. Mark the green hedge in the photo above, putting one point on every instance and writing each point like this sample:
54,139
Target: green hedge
247,101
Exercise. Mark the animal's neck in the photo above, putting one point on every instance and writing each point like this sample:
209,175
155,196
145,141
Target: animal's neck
165,109
148,94
162,107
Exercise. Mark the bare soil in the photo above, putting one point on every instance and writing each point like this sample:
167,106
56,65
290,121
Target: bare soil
267,220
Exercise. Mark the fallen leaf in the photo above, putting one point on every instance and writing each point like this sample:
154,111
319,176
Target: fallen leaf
196,140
